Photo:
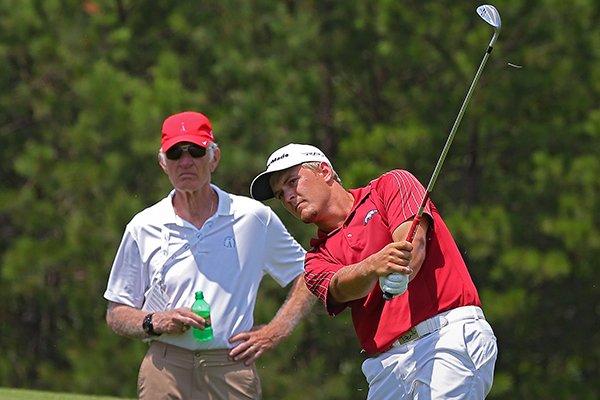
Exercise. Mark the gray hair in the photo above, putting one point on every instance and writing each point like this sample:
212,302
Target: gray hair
210,151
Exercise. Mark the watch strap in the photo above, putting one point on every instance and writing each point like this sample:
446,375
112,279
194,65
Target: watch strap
148,326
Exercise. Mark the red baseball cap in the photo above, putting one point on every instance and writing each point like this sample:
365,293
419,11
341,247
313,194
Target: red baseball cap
187,126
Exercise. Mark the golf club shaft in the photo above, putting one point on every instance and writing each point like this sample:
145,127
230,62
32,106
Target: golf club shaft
417,220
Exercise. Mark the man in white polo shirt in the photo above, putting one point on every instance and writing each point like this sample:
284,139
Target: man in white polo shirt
201,238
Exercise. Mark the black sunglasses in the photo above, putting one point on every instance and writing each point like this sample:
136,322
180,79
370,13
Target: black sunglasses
175,152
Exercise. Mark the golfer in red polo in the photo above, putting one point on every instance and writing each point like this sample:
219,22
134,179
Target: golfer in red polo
431,340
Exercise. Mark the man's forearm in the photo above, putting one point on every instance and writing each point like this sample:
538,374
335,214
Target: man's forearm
125,321
298,303
350,283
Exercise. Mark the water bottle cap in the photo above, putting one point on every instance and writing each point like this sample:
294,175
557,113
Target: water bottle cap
199,295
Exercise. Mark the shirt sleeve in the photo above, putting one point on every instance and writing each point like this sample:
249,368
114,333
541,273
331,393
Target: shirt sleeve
284,256
317,275
402,195
126,283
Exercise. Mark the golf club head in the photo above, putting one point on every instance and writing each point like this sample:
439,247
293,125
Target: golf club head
490,15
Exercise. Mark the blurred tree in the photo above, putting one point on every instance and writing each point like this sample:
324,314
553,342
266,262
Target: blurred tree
86,85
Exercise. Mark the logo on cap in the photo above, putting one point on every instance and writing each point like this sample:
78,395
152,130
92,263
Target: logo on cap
281,157
313,153
183,127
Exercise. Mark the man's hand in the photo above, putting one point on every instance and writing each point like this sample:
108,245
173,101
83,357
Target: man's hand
253,344
176,322
127,321
397,256
394,257
256,342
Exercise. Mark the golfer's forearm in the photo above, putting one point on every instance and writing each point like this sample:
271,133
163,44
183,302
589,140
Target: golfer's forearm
351,282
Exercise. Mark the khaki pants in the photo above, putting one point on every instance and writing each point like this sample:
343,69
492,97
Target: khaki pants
170,372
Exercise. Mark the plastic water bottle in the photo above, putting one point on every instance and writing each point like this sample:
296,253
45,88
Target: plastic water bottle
201,308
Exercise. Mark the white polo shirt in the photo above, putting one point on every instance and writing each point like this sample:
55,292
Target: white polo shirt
226,259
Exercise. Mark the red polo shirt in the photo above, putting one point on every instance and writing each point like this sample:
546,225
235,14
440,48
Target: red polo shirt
443,282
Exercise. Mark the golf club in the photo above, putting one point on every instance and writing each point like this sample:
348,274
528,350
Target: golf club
490,15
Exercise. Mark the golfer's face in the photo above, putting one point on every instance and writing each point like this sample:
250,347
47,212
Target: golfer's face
301,190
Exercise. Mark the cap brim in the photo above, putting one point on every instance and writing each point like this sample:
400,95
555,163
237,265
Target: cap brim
199,140
260,188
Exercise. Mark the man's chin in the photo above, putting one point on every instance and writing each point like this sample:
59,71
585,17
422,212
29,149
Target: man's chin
307,217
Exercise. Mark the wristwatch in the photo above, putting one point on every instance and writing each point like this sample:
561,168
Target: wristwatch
148,326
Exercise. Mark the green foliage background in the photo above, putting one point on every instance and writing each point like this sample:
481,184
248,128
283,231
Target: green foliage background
85,86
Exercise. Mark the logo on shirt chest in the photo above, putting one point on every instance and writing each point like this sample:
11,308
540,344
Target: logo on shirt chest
370,215
229,242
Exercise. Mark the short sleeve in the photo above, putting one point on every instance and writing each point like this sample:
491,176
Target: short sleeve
401,194
126,284
284,256
318,274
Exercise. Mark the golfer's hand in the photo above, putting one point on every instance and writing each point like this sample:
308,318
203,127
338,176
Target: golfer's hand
394,257
394,284
391,264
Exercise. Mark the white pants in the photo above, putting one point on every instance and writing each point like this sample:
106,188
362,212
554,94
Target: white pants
455,362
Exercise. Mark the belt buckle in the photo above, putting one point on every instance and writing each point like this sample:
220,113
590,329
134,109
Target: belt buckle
409,336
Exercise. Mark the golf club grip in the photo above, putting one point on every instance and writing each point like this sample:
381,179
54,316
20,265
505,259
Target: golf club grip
409,238
413,228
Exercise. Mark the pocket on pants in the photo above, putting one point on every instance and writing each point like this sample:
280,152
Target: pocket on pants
480,342
384,376
369,369
375,371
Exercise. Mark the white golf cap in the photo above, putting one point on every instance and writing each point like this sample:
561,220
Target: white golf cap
288,156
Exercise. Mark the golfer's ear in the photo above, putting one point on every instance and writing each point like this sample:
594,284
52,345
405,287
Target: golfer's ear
326,171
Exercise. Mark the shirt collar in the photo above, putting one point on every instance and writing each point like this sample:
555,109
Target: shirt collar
223,208
359,195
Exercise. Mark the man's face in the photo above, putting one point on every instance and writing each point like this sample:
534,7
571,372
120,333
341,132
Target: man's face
304,192
188,166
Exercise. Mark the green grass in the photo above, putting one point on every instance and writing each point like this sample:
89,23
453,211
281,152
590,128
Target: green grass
23,394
